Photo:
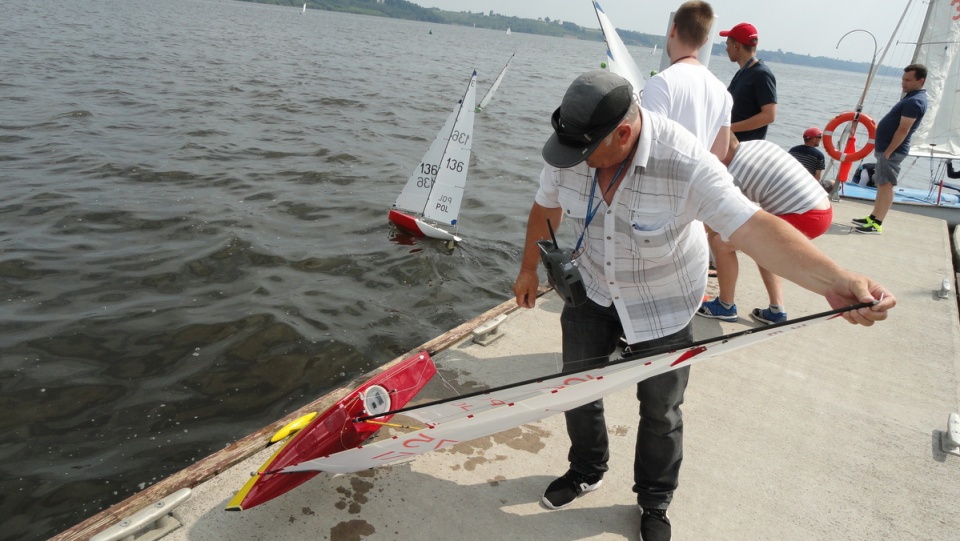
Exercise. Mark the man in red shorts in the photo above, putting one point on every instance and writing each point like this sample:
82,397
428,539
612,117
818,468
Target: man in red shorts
773,179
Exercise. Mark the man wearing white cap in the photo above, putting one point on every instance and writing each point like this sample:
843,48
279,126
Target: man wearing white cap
754,88
633,183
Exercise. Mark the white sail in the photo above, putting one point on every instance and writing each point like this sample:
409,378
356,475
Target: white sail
482,414
304,10
443,202
938,48
496,84
414,195
619,60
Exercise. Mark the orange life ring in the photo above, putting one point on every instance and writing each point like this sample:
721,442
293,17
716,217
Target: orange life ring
842,118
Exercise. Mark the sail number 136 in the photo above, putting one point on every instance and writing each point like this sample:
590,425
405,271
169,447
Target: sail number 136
461,137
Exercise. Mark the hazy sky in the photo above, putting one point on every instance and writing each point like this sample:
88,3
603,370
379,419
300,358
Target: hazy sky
804,27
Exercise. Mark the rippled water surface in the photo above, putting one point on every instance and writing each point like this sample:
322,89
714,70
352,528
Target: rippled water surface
193,234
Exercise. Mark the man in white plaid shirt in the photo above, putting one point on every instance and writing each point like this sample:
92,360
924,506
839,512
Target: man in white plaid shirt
636,186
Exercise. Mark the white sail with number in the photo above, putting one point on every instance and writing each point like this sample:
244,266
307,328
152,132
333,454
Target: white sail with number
413,198
431,197
443,203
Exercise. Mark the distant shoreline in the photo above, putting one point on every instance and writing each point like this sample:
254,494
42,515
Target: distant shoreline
402,9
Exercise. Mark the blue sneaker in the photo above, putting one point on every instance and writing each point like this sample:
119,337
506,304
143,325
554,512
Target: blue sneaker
715,310
766,316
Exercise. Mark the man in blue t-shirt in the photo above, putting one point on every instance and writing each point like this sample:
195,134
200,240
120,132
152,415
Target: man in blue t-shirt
754,88
893,143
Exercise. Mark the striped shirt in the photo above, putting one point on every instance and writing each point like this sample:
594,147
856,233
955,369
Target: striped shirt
774,179
647,252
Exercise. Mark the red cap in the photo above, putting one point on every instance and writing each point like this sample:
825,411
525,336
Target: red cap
744,33
810,133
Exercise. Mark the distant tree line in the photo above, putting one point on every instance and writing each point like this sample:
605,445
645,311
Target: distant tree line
402,9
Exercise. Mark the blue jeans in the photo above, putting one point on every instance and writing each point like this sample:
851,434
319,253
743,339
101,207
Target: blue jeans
590,334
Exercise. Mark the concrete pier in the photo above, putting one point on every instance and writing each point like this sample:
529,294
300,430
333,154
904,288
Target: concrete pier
830,432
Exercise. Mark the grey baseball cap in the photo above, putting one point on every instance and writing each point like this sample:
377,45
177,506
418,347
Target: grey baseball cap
594,105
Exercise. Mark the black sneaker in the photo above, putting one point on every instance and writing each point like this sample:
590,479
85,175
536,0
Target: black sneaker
564,490
861,221
871,228
654,525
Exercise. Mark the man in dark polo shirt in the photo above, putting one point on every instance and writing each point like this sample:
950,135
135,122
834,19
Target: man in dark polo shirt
810,156
754,88
893,144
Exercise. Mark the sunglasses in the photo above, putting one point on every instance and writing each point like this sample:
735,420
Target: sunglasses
573,136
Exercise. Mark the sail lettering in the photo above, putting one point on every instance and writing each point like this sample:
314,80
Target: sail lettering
443,202
454,165
413,443
956,4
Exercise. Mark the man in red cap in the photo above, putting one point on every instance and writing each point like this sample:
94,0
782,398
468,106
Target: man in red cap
810,156
754,88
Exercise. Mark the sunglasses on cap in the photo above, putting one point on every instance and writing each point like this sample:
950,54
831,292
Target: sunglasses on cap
572,136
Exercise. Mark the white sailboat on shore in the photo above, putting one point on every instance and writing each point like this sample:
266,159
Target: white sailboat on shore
429,204
938,136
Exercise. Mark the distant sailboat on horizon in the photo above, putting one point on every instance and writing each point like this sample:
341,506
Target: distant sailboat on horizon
508,31
304,10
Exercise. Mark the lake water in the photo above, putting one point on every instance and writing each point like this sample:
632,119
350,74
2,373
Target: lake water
193,233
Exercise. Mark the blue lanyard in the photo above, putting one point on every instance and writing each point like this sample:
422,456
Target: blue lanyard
592,210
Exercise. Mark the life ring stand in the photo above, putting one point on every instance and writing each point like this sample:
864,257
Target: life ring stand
843,118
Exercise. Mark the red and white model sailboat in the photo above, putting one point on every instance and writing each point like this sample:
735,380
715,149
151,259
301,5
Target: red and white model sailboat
429,204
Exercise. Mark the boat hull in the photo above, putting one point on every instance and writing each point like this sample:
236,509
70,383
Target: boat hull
912,200
418,227
333,431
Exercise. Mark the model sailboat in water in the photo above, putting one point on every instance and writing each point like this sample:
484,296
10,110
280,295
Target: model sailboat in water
429,204
493,88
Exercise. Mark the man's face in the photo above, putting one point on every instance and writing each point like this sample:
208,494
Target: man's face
604,155
600,157
733,49
909,81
